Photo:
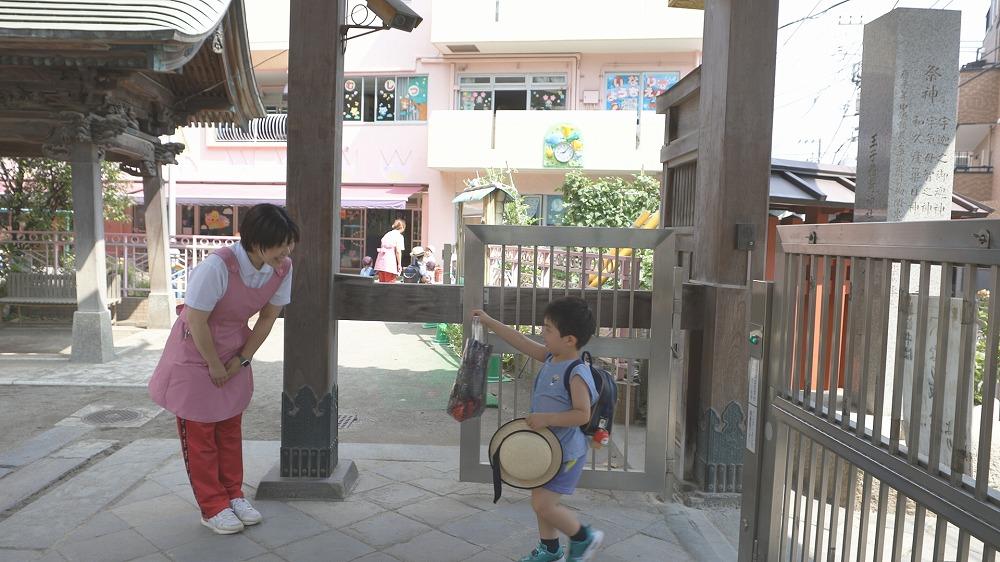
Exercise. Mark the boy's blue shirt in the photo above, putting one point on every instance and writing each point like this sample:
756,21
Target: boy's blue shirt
551,397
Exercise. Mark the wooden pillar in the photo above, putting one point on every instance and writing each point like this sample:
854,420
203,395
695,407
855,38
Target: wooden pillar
736,111
309,465
161,302
92,339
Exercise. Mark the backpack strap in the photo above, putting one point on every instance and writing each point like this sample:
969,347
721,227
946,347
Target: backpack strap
569,370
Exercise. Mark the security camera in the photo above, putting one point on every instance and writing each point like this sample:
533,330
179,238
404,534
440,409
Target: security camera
395,14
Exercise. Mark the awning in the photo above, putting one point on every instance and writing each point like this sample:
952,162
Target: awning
479,193
352,196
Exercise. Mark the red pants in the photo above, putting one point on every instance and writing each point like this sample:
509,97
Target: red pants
386,277
213,456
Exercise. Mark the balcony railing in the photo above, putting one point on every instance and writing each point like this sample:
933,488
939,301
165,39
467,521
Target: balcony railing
270,128
966,162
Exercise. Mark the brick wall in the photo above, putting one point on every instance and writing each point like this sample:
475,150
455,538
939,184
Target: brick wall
978,99
976,186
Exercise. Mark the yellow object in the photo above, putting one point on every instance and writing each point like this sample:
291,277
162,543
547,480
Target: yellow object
548,152
577,145
647,221
567,131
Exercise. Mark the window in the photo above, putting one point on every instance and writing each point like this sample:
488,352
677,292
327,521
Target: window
634,91
379,99
539,92
554,210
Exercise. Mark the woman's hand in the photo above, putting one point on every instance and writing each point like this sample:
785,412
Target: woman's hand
219,373
537,421
233,367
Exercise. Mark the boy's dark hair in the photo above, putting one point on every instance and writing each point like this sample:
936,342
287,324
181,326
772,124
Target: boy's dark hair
572,317
267,226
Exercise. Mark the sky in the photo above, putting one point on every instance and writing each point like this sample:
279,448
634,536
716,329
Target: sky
815,102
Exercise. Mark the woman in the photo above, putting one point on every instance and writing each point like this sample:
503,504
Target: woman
204,375
389,263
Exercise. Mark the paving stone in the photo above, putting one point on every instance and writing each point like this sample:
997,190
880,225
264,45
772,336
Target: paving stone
402,471
661,531
635,519
153,558
145,490
5,471
51,556
386,529
80,497
437,511
483,500
442,486
46,442
99,525
395,496
517,544
339,514
489,556
173,530
520,512
377,557
282,525
18,555
332,546
229,548
613,533
436,546
643,548
34,478
123,545
267,558
86,449
369,481
154,509
483,528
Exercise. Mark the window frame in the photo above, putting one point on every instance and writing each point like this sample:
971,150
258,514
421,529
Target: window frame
528,85
361,80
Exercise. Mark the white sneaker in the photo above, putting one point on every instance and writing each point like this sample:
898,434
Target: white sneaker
246,512
224,522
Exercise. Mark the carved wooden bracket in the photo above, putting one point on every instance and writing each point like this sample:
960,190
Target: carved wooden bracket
77,127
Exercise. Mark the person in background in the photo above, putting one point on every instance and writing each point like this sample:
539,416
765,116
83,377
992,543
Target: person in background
389,263
430,264
204,375
366,267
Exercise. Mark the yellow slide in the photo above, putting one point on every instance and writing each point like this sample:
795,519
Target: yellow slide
646,220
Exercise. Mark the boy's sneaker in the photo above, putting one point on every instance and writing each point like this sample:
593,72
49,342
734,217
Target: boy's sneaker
582,551
542,554
224,522
246,512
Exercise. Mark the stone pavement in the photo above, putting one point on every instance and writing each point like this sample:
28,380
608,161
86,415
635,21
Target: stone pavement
136,504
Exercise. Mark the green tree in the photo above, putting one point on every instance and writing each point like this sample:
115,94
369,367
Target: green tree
38,193
612,202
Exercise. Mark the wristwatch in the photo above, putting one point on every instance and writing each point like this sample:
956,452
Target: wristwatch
244,361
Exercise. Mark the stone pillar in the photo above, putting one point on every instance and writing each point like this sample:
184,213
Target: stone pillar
92,339
906,147
161,302
309,465
736,110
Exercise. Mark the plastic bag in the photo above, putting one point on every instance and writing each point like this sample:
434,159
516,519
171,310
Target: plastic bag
468,396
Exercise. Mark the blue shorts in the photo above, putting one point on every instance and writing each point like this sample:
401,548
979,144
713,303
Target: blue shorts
568,476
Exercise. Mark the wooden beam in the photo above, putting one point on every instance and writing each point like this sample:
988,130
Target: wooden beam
358,298
690,4
680,151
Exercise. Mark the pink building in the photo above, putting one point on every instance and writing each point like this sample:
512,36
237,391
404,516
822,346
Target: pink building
537,87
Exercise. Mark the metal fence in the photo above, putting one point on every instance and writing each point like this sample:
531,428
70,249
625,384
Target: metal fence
52,252
873,431
642,451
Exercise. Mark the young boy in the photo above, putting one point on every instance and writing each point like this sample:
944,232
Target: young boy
569,324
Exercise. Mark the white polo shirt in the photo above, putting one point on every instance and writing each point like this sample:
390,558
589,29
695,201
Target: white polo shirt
210,279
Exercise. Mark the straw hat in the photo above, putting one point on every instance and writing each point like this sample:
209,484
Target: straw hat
417,251
527,458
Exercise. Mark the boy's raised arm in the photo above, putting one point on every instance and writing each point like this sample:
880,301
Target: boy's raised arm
516,339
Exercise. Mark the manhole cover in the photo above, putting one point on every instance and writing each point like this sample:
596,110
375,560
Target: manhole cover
344,421
112,416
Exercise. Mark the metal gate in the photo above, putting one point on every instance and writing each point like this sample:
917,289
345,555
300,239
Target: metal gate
627,275
873,382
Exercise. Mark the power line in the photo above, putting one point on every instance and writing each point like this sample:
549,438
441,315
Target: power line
813,16
796,30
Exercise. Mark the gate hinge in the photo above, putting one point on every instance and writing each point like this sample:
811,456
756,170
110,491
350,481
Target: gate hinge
982,238
754,554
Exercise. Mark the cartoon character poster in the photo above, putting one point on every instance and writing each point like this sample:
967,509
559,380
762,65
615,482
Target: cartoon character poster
562,147
634,91
352,99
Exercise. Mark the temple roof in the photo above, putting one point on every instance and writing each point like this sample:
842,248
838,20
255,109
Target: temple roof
197,49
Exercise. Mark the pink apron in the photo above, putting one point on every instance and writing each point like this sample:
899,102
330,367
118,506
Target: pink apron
386,259
181,383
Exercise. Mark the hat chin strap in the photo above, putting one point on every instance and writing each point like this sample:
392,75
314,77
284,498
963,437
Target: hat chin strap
497,486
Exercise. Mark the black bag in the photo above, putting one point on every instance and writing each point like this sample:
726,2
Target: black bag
411,273
468,395
602,412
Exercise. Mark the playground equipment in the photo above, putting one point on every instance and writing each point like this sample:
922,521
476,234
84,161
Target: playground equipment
609,266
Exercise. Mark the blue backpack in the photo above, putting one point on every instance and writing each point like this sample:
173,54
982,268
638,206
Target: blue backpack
602,412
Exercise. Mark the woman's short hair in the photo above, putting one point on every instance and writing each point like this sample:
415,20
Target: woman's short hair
267,226
398,224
